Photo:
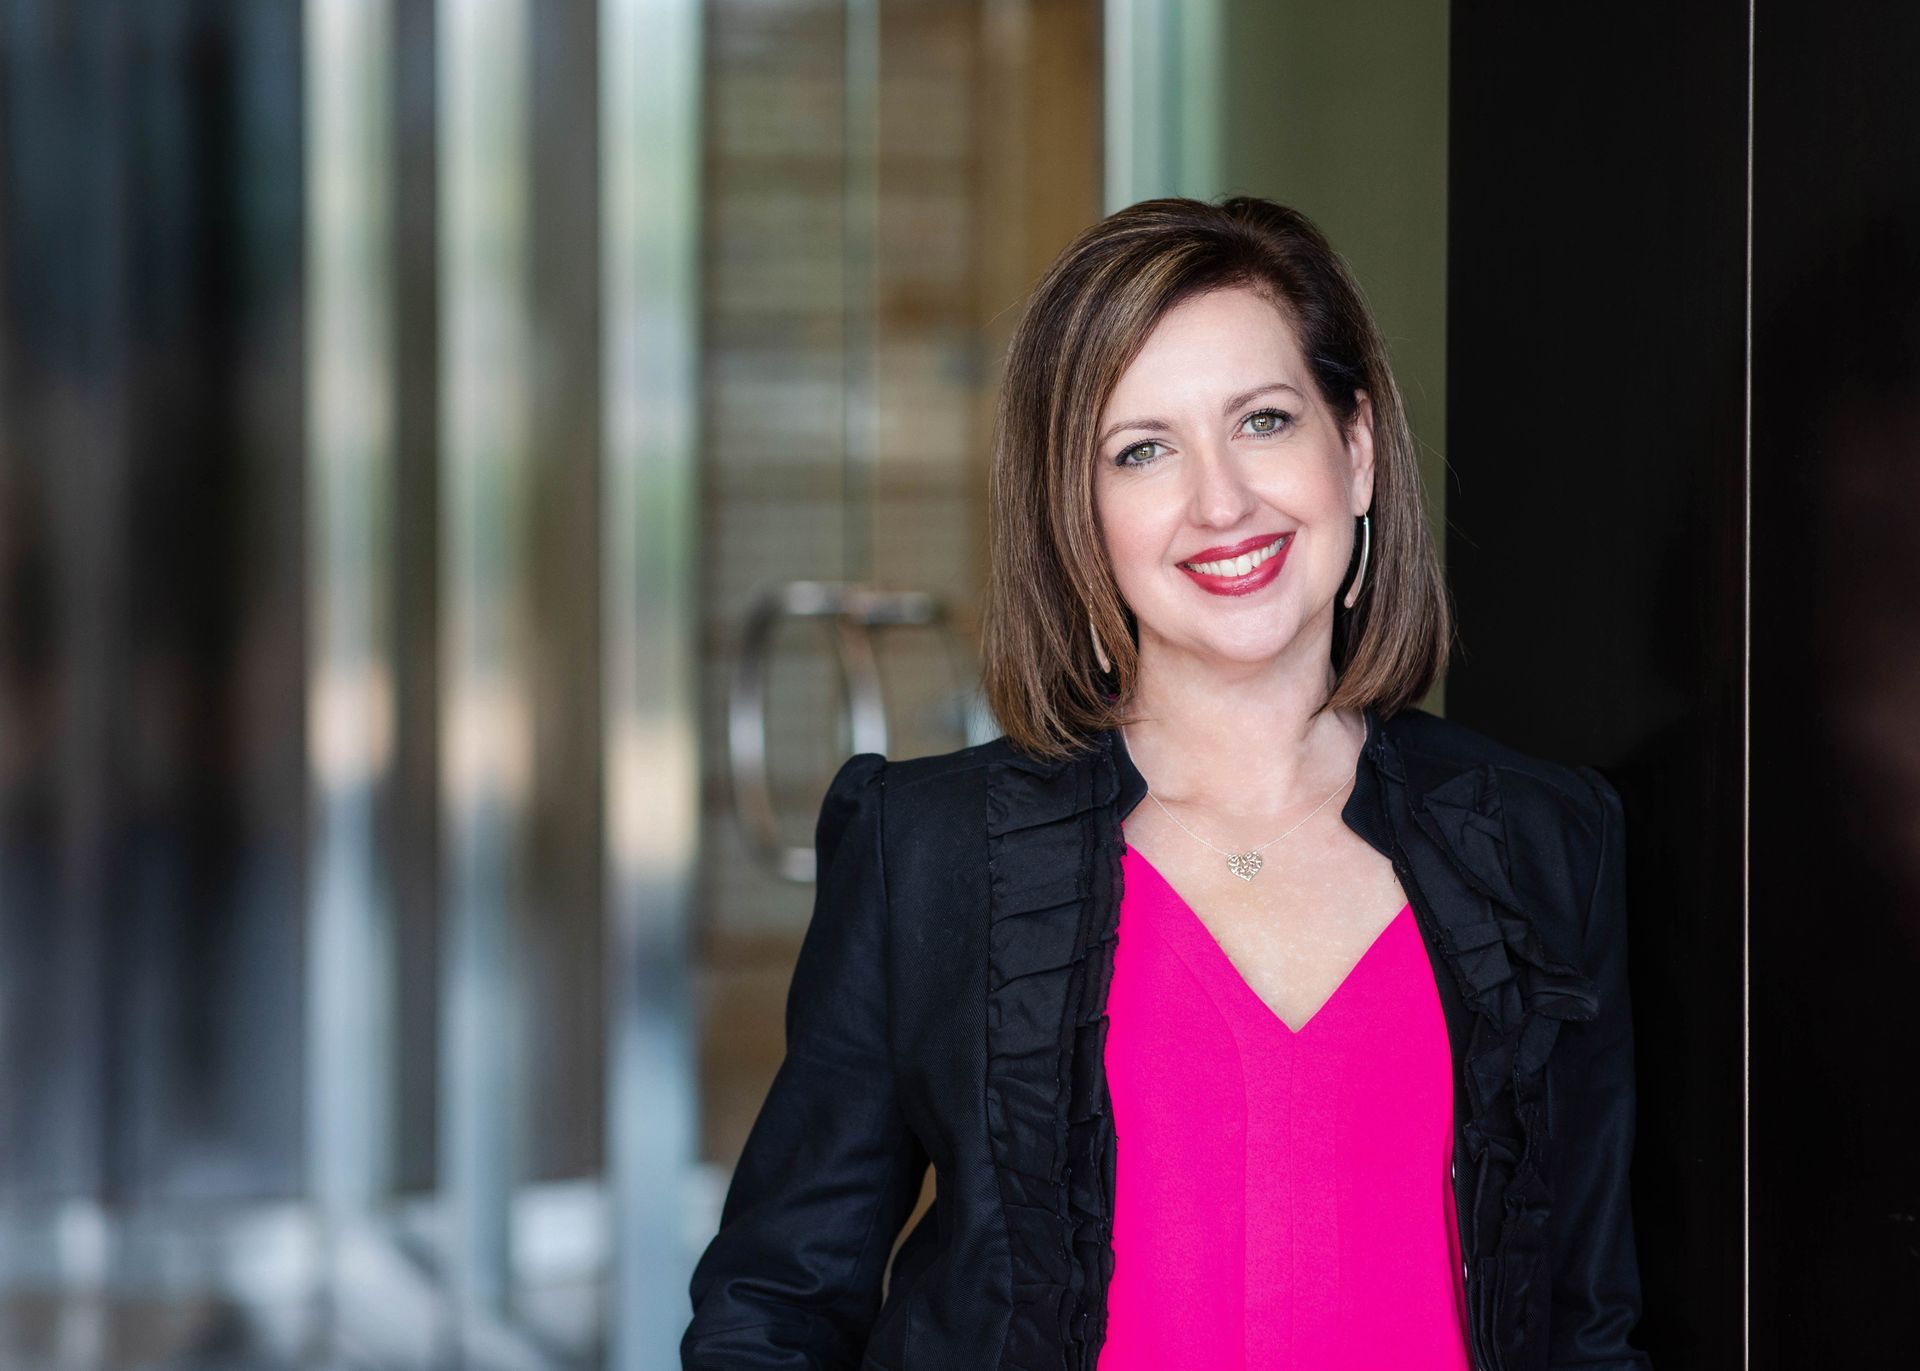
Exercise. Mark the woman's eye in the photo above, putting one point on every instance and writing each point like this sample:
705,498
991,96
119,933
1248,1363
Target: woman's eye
1264,423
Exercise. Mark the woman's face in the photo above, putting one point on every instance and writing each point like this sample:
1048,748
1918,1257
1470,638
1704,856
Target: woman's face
1216,449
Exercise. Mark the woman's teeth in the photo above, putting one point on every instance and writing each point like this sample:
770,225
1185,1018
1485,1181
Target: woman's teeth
1237,566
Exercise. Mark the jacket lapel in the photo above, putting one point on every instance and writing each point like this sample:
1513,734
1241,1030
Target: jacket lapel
1456,836
1462,816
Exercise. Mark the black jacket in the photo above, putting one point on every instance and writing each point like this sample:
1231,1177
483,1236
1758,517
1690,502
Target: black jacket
949,1006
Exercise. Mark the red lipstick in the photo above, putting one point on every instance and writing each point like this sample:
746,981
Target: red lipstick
1245,545
1261,575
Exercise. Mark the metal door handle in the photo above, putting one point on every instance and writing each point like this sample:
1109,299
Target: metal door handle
854,610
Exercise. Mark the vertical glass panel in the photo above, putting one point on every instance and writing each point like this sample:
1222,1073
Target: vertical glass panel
560,927
650,102
154,805
350,1045
153,793
486,727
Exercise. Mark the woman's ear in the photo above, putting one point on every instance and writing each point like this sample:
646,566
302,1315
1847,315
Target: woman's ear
1360,451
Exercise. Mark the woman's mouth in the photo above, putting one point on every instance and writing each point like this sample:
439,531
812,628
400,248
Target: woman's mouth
1244,574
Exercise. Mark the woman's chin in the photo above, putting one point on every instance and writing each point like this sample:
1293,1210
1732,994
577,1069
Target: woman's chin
1236,655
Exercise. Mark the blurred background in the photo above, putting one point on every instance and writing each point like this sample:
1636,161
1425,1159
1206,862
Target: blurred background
470,470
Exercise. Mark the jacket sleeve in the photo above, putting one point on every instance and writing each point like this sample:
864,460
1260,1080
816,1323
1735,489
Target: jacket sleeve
830,1170
1596,1273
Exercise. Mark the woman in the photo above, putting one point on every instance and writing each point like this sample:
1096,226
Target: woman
1322,1057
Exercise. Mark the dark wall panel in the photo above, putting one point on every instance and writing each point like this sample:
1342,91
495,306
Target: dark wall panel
1596,298
1836,678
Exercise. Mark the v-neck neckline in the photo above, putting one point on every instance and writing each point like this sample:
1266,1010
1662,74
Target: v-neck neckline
1226,964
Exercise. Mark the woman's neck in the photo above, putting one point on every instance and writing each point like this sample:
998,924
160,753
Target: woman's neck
1240,743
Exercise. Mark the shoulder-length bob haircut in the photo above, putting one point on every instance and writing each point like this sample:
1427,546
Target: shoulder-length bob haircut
1049,575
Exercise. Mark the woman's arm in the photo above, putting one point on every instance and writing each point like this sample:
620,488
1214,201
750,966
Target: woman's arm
1596,1273
830,1170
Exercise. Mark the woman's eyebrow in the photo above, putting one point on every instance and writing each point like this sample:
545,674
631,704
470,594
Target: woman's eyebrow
1161,425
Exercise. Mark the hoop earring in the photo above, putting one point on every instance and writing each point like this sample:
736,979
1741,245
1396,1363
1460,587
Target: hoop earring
1099,653
1366,546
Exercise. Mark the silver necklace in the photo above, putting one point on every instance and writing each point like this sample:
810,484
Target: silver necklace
1246,865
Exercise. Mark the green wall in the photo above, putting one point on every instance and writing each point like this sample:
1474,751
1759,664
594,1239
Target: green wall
1339,108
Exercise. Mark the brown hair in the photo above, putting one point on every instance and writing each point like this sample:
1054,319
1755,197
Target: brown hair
1085,322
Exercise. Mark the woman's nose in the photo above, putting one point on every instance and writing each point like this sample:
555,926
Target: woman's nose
1220,495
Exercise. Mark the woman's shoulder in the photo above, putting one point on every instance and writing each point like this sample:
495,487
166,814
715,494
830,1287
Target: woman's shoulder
1438,751
1544,835
867,775
926,777
966,795
962,766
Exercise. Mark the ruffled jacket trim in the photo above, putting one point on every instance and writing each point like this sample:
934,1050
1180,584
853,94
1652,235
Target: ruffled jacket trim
1053,858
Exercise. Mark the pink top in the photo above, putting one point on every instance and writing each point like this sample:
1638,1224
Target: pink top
1281,1199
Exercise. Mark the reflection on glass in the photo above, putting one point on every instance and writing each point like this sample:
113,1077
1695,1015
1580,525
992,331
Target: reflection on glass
486,729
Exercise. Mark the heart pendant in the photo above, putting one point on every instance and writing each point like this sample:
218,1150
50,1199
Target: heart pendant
1245,865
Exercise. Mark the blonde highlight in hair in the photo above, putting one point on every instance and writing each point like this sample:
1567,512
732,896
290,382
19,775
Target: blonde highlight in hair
1049,578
